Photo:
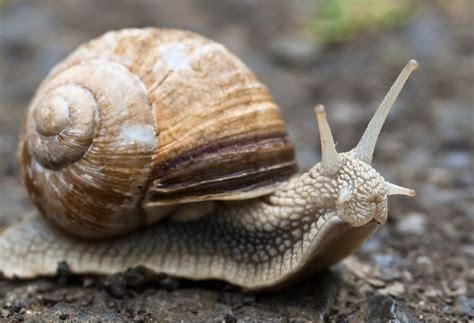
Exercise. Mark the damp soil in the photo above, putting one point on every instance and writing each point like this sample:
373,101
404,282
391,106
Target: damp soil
419,266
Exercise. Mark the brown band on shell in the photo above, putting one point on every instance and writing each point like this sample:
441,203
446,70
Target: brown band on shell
222,170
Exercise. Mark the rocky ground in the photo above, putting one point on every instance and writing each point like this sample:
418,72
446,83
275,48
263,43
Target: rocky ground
419,266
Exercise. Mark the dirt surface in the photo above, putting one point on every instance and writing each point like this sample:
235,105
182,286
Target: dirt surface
419,266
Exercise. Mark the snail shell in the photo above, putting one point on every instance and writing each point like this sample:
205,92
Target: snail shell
144,118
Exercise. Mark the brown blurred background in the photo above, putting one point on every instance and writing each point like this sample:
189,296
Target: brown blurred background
344,54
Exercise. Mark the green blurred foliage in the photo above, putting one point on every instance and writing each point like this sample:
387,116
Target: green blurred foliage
340,20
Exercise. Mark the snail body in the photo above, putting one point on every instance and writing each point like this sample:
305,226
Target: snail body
161,148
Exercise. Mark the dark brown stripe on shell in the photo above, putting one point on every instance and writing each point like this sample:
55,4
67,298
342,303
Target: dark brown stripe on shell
215,190
239,165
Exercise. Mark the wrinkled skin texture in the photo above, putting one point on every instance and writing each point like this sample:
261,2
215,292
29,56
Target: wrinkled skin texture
364,195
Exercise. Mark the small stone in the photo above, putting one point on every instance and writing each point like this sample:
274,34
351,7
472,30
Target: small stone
49,299
63,272
390,266
375,282
407,276
413,223
169,283
358,268
137,276
4,314
63,316
116,285
466,306
138,318
229,318
469,250
425,263
447,310
17,307
454,288
365,289
382,309
432,292
396,289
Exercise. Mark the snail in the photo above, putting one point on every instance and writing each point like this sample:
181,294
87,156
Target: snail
160,148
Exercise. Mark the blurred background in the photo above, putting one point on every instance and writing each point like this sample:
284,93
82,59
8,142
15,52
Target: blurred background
343,54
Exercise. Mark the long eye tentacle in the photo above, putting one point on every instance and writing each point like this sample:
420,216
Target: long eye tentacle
366,146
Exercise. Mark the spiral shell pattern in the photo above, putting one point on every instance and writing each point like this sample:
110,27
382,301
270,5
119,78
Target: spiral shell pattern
148,117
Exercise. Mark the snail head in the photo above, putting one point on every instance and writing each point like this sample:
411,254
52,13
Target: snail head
360,192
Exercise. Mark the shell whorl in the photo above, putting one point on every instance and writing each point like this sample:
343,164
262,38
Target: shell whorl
63,126
90,132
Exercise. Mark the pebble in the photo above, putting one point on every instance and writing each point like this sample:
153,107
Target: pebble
466,306
137,276
375,282
63,316
469,250
382,309
448,310
389,265
396,289
413,223
116,285
4,313
169,283
425,263
432,292
17,307
63,272
229,318
456,287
